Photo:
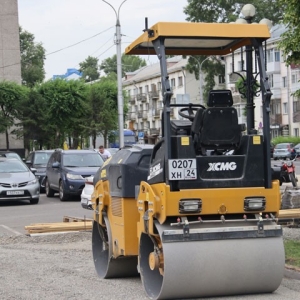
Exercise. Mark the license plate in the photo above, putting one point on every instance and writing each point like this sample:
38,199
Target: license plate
15,193
182,169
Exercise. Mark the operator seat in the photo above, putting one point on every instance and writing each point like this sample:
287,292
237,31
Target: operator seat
219,128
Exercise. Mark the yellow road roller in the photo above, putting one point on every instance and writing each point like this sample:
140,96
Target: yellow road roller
194,215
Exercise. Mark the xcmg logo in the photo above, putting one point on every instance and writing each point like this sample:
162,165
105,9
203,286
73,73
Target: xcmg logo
221,166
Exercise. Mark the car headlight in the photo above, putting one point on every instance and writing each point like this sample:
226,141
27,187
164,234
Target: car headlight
34,181
74,176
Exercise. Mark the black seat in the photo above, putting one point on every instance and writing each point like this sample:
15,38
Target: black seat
219,128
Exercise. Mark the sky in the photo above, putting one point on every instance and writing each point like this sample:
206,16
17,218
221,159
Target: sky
58,24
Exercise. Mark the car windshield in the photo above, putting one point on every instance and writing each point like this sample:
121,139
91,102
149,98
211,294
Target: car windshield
82,160
41,158
12,166
282,146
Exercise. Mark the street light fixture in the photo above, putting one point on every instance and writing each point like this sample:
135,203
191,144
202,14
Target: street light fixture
119,74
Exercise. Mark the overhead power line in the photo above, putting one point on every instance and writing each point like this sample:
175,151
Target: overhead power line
79,41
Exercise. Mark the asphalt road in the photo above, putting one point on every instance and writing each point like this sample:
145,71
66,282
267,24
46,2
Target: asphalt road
63,256
14,216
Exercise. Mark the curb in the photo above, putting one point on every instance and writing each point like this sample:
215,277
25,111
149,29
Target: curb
291,272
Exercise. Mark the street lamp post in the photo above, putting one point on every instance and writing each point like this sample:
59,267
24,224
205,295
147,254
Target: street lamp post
119,74
248,11
200,77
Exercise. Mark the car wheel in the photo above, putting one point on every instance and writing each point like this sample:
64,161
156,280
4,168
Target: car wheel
62,195
34,201
48,190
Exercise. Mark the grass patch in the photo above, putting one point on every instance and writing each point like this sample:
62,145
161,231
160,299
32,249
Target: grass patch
292,253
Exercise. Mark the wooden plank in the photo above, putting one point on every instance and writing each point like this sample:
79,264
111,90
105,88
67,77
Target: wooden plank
60,226
289,213
75,219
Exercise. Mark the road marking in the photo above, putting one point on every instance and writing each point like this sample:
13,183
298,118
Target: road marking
11,230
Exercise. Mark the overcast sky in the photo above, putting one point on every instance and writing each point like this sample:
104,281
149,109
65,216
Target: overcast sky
58,24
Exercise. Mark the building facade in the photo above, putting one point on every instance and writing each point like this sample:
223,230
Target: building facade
283,80
10,59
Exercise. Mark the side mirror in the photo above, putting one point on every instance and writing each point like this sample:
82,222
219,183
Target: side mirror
33,170
56,165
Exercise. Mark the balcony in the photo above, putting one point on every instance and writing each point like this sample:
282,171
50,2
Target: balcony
132,99
132,116
154,95
156,113
154,131
276,119
141,97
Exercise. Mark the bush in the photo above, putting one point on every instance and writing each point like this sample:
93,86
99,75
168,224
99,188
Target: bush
286,139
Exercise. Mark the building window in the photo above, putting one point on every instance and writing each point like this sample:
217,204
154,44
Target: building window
180,81
277,108
271,78
270,55
240,65
276,55
159,86
221,79
294,78
141,90
296,131
173,82
146,89
285,111
284,81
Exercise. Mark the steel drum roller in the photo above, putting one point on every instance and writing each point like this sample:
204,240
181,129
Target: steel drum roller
213,267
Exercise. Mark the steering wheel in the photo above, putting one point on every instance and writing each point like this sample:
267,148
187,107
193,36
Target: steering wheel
190,111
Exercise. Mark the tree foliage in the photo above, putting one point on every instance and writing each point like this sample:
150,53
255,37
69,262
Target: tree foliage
130,63
229,10
11,95
223,11
34,121
290,40
66,102
102,98
89,68
32,59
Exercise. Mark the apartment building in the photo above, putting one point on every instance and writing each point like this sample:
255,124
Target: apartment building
143,88
10,67
283,80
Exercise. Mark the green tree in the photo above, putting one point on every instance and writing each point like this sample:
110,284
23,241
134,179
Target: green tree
103,118
67,108
229,10
35,124
223,11
32,59
89,68
130,63
290,40
11,95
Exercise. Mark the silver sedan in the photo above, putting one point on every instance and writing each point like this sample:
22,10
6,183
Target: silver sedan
17,181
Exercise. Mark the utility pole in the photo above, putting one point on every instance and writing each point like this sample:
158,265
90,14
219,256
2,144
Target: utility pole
119,74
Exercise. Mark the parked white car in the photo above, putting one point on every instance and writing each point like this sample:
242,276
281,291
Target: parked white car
87,193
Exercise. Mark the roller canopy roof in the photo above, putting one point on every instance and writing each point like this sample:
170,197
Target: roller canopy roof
184,38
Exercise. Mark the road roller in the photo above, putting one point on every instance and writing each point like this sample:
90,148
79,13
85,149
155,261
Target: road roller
195,215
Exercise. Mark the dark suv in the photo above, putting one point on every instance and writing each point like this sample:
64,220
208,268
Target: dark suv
38,159
66,170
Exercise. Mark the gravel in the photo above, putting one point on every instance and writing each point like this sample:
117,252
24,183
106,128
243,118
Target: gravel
60,267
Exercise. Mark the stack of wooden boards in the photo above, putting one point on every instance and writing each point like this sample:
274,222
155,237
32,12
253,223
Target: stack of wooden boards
68,224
